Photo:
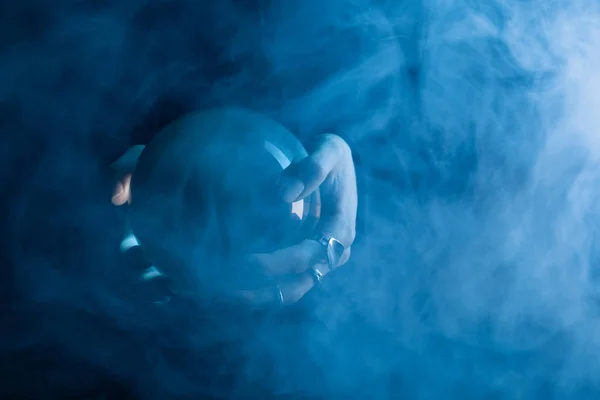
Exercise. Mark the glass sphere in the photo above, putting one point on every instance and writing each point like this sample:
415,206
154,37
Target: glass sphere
207,184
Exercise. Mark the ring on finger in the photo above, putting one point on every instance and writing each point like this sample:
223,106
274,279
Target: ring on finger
316,275
279,293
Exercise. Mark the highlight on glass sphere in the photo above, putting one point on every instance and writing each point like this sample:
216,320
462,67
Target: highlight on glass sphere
207,184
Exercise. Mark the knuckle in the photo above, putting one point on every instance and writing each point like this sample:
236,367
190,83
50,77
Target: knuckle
345,228
338,143
345,257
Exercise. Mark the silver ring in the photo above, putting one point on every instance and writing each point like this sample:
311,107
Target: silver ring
316,275
334,250
279,295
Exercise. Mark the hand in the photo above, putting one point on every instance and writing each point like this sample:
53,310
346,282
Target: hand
124,166
121,193
330,168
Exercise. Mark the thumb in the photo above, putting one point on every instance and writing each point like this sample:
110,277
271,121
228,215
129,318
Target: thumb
123,167
121,193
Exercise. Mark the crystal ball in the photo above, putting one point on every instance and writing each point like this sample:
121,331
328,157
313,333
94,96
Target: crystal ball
206,187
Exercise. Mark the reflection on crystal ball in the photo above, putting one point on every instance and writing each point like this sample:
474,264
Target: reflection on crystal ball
207,183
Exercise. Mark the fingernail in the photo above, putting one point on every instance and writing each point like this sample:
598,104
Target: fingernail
290,189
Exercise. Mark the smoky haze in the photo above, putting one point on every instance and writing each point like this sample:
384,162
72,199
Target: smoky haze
474,125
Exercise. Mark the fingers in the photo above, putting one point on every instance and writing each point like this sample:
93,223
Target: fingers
287,291
295,288
122,193
290,260
294,277
304,177
294,259
124,166
330,168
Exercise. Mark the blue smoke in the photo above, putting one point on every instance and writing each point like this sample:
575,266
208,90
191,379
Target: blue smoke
474,127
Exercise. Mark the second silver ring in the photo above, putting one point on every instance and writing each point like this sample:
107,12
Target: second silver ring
316,275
